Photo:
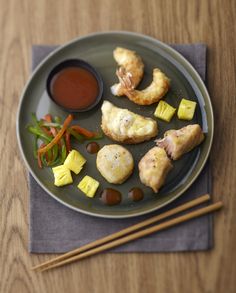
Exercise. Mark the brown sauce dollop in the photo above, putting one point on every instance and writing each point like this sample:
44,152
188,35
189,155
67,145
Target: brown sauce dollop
111,196
92,147
136,194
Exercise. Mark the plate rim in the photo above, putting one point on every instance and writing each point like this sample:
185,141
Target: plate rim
128,33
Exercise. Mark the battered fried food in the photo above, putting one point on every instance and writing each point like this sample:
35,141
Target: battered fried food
154,167
151,94
131,66
115,163
125,126
178,142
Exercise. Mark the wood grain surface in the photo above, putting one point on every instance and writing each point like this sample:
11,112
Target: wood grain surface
27,22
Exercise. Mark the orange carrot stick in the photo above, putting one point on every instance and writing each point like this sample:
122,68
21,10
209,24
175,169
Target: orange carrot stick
83,131
39,161
39,156
58,136
68,145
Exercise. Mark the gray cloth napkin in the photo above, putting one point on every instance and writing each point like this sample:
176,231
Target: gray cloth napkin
55,228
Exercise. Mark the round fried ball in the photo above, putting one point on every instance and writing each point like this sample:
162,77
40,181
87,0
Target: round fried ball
115,163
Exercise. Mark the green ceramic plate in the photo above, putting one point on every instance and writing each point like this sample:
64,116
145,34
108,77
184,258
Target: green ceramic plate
97,50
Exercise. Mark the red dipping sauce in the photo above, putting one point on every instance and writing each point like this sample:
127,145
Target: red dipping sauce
74,88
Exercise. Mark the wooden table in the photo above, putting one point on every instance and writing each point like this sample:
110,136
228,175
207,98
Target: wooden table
27,22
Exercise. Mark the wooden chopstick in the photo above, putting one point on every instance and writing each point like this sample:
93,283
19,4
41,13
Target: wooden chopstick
125,231
139,234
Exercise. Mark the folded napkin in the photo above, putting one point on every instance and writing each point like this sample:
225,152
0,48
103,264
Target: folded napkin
55,228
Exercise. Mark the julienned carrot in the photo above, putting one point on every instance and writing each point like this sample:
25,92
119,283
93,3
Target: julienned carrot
68,144
58,136
39,156
83,131
48,132
47,117
39,161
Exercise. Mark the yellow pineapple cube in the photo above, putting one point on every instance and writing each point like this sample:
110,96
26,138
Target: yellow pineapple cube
75,161
88,185
62,175
186,109
164,111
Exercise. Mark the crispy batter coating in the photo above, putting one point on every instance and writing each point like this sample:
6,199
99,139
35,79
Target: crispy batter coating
178,142
125,126
154,167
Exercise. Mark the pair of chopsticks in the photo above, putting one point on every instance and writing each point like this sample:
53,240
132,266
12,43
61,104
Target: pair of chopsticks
125,235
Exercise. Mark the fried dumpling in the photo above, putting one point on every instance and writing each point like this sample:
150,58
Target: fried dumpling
125,126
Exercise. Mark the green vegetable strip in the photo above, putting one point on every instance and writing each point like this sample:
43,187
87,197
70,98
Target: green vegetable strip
35,146
54,154
44,161
76,135
50,124
40,133
56,162
36,122
49,156
63,153
57,119
34,118
96,137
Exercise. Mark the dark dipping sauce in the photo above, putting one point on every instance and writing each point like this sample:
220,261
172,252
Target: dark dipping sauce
111,196
74,88
136,194
92,147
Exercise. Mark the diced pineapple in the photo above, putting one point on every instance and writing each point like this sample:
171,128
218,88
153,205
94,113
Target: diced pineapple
88,185
75,161
62,175
186,109
164,111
